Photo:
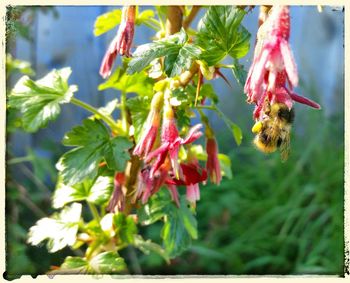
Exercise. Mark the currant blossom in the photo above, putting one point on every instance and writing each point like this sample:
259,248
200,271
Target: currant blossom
171,142
213,164
117,199
149,135
122,41
273,73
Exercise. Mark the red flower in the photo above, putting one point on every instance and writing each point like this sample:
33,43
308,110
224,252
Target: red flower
192,175
171,142
149,135
273,65
122,41
213,164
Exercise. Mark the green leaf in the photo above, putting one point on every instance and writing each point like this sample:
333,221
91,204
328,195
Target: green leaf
237,133
174,64
60,229
138,83
39,101
125,227
139,108
239,73
93,145
74,265
97,191
179,229
148,246
107,21
103,263
179,54
155,209
107,263
220,34
107,110
207,91
225,165
180,225
146,17
183,117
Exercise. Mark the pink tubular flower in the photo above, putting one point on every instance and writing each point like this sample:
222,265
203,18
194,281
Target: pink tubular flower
273,65
213,164
171,142
149,135
122,41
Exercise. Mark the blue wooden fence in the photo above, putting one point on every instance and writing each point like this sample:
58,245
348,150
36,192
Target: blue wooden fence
316,39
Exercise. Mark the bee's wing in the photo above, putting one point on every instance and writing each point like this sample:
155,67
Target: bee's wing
285,147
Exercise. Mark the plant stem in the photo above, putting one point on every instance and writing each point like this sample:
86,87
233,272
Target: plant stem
25,199
227,121
16,160
174,20
153,24
161,23
94,211
109,121
209,107
124,112
194,11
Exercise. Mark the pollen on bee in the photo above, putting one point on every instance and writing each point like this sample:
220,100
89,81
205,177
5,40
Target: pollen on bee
257,127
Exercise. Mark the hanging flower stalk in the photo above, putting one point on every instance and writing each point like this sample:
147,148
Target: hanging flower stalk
270,81
121,43
273,74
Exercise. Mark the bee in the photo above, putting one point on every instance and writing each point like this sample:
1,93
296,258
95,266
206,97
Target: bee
273,131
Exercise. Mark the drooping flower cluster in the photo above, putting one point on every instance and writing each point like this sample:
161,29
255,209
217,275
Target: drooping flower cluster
122,41
161,156
273,74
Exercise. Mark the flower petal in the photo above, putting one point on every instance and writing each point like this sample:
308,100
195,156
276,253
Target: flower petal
192,193
108,59
304,100
193,134
289,62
